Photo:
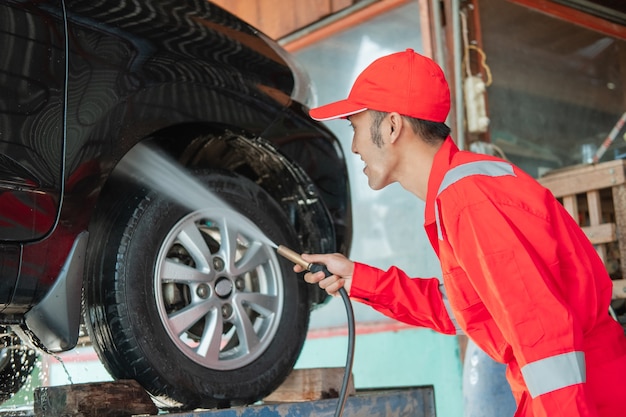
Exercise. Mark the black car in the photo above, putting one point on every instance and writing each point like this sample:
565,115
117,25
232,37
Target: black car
107,109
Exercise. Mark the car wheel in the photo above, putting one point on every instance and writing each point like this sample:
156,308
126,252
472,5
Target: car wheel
192,304
16,363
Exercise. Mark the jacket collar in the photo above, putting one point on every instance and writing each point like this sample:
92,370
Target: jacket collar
441,165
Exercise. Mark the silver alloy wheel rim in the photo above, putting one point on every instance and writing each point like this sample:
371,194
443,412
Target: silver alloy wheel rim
218,289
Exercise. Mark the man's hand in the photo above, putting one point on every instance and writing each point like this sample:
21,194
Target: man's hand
341,267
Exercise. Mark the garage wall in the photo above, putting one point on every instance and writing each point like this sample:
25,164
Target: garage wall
278,18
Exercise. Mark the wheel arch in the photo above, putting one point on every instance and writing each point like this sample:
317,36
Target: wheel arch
197,146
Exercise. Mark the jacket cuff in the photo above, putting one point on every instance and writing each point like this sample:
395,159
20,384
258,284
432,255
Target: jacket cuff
364,282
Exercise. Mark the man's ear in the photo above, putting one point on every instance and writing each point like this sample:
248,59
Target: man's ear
395,126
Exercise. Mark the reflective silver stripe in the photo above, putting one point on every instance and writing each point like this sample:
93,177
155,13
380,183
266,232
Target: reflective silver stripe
556,372
448,307
488,168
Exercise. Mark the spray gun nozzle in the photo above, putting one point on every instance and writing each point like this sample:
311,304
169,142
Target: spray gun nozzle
295,257
292,256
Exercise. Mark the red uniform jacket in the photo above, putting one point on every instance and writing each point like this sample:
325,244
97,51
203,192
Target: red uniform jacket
522,280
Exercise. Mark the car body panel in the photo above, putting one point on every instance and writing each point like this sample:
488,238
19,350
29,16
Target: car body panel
32,81
136,72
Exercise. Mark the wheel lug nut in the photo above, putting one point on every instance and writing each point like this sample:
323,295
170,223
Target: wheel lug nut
218,264
240,284
227,310
203,291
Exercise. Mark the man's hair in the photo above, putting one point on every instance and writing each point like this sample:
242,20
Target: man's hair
377,119
431,132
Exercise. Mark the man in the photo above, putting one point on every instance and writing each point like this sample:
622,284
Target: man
522,279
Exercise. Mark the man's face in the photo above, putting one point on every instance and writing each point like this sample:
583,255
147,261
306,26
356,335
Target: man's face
378,158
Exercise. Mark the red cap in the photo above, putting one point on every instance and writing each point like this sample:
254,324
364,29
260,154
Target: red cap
404,82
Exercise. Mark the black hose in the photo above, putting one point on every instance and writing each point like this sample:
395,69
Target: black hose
343,394
313,267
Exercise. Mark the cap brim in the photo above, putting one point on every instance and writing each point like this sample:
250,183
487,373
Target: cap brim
337,110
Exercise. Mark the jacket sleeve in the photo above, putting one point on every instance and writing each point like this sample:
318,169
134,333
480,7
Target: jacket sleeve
509,256
416,301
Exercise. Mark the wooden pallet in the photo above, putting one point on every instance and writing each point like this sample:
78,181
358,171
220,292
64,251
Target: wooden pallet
123,398
595,195
311,384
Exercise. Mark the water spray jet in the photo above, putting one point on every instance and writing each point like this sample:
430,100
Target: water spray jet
151,168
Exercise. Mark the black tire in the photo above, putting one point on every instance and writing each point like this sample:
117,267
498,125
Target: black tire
134,324
17,362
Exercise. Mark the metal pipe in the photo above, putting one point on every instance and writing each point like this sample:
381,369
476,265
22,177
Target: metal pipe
439,57
458,81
